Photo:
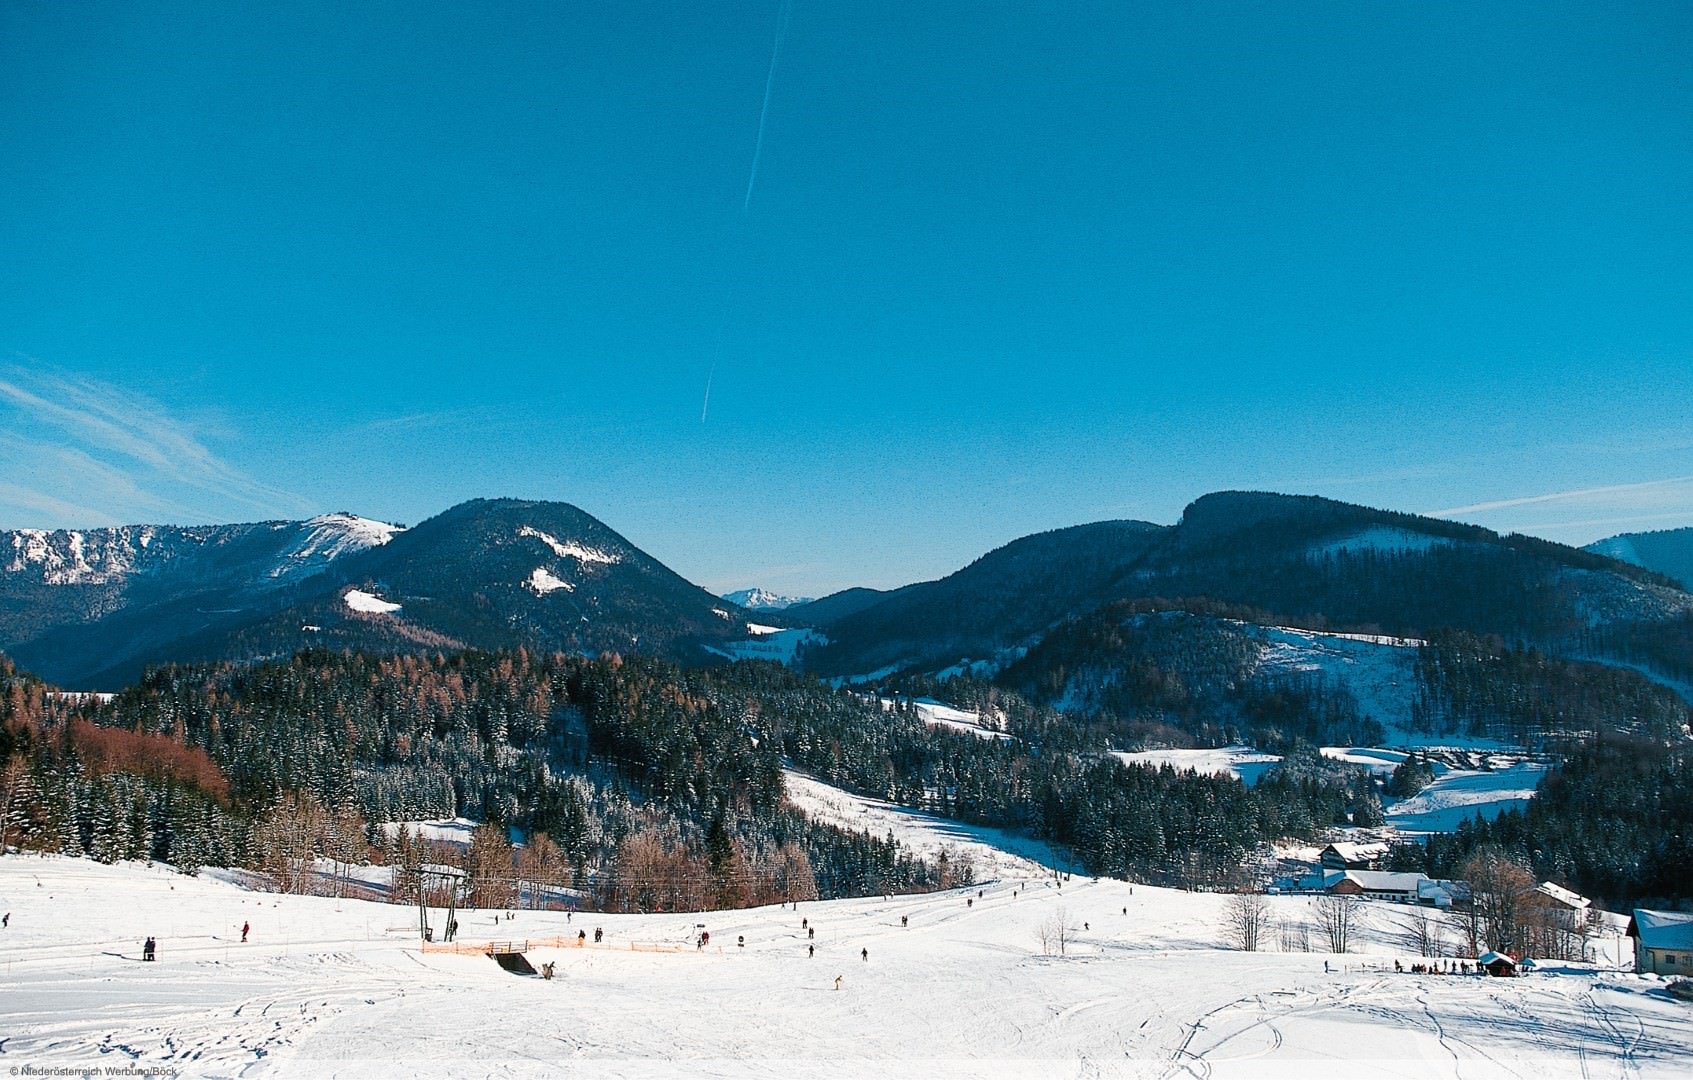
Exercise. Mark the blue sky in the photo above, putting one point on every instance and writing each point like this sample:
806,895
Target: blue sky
1004,267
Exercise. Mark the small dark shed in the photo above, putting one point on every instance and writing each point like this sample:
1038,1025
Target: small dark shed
1497,965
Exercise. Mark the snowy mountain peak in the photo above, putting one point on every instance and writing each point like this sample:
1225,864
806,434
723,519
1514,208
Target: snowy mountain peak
326,538
756,599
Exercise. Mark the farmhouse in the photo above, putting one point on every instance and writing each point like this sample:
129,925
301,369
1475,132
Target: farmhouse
1442,894
1663,941
1560,901
1379,885
1342,856
1404,888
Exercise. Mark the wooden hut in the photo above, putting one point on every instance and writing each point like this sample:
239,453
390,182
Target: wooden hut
1497,964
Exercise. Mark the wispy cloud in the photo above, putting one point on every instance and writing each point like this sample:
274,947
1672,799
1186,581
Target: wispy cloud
1609,492
54,508
1682,516
92,451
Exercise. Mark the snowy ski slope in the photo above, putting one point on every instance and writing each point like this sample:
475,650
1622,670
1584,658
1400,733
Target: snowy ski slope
330,988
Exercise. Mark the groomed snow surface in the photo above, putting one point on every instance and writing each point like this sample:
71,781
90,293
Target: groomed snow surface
329,988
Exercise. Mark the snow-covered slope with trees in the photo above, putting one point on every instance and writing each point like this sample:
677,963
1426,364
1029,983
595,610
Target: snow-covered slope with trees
1025,976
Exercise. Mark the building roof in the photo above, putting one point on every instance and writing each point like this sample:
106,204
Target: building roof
1488,959
1662,929
1456,890
1563,896
1357,852
1387,881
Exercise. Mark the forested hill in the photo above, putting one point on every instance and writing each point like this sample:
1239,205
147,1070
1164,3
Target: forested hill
1294,560
636,771
1152,673
595,753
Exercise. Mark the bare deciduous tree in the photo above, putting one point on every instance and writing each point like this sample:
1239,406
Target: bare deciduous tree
1054,933
1295,935
1499,889
1424,933
287,839
1337,914
1244,918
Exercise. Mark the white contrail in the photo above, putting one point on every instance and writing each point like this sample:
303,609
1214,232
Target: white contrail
1504,504
764,111
782,15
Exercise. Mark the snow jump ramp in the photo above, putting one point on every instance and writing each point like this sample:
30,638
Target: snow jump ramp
514,962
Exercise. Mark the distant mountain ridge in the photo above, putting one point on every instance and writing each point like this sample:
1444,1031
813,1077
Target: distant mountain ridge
88,609
1665,551
756,599
1302,560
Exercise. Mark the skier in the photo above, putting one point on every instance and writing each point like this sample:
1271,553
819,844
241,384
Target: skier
865,953
244,928
811,950
905,920
803,923
969,901
147,948
581,938
705,937
811,933
598,934
7,921
837,982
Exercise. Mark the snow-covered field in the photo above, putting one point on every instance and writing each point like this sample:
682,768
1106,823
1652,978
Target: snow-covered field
1456,794
329,988
766,643
1241,762
994,853
1459,794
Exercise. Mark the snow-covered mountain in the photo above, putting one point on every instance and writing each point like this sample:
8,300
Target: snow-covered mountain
88,609
73,601
1293,560
756,599
269,551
